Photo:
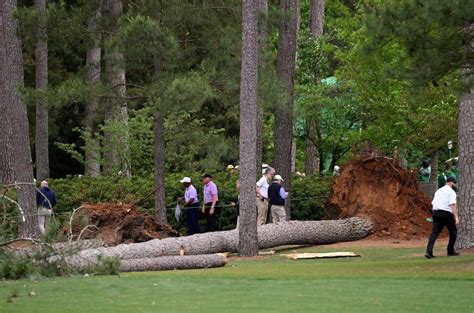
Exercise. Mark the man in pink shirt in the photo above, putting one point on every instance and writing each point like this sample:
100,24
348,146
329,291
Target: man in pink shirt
211,196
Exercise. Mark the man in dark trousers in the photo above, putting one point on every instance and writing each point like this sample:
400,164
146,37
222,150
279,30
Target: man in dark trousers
45,201
191,204
277,196
211,197
445,213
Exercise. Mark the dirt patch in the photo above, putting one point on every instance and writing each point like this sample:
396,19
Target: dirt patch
378,187
122,223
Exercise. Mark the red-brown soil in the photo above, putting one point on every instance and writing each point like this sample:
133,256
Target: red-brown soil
379,188
122,223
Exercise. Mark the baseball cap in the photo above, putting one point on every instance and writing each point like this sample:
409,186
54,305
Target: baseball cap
451,179
277,177
185,180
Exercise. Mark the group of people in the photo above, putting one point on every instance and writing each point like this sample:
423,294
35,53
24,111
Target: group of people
270,197
192,204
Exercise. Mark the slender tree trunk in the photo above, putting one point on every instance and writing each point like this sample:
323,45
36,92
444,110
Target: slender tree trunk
466,156
92,149
41,56
15,162
316,26
248,245
262,44
316,17
284,115
160,195
116,114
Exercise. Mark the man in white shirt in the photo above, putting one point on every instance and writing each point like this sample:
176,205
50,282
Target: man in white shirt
262,195
445,213
191,203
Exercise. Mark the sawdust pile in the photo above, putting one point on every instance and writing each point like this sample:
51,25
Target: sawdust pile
379,188
120,223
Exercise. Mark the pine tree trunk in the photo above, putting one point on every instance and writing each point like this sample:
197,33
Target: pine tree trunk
262,40
41,58
91,116
15,162
248,130
466,155
316,17
159,161
284,115
164,263
116,113
316,27
269,236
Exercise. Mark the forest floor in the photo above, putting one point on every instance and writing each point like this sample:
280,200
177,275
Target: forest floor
390,276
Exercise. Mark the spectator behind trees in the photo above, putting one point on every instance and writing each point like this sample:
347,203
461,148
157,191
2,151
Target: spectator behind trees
211,196
45,202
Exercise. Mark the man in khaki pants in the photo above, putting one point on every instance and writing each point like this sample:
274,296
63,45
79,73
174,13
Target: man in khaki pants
262,195
277,196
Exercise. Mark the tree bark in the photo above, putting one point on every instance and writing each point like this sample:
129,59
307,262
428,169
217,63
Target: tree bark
173,263
92,147
466,156
41,58
15,162
316,17
316,28
284,115
269,235
262,44
248,130
159,162
116,113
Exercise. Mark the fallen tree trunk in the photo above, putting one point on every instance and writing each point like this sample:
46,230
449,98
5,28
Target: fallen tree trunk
173,262
270,235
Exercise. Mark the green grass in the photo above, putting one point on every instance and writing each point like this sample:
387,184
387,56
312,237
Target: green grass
382,280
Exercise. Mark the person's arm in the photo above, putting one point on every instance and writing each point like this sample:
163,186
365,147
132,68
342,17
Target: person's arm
53,203
454,208
190,201
213,205
259,184
283,193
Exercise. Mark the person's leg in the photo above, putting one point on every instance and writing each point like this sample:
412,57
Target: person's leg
274,213
453,232
262,207
438,224
189,219
41,219
281,214
195,220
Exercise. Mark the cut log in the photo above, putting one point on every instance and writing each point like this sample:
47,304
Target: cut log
173,262
269,236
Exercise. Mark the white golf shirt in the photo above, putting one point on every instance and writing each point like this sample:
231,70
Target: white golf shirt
443,198
263,185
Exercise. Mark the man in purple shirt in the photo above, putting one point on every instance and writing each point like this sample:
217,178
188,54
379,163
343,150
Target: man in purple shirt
211,197
191,204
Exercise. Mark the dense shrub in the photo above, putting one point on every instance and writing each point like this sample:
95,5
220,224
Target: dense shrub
308,194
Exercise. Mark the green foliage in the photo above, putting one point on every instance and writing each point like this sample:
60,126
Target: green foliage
308,197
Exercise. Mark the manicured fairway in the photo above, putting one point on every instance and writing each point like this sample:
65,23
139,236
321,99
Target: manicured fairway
383,280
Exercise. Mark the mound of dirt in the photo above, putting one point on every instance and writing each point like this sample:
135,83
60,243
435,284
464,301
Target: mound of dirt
122,223
379,188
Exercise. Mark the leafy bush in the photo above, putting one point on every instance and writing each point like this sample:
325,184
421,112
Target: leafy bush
308,194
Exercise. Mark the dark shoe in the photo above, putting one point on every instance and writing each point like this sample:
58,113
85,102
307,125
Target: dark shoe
454,254
429,256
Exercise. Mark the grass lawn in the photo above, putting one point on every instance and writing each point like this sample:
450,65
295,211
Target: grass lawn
382,280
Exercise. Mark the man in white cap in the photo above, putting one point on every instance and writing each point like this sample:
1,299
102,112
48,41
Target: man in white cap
277,196
191,204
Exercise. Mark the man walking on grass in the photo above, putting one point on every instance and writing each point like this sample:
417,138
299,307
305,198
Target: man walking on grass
445,213
191,203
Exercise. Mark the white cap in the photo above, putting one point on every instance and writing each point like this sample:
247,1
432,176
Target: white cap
337,168
277,177
185,180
